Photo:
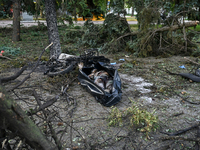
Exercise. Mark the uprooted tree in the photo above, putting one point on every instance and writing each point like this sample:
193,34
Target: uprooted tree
160,31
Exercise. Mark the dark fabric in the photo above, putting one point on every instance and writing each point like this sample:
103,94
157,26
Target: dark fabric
190,76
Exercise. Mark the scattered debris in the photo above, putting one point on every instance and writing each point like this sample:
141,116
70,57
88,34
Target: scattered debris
183,67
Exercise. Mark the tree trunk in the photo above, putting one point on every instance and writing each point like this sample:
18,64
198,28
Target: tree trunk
16,20
132,14
53,34
13,118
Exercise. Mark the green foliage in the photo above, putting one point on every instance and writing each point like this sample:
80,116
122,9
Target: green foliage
73,35
29,6
78,7
3,14
127,65
117,5
102,4
64,18
103,37
10,51
143,120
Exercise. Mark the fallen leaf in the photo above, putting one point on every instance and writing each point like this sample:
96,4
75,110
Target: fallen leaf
60,124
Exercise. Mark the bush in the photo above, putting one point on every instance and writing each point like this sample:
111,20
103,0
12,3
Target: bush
3,14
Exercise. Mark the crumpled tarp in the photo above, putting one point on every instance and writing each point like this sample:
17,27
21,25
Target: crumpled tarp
103,97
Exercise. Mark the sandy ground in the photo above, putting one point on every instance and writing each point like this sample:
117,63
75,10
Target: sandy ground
147,86
8,23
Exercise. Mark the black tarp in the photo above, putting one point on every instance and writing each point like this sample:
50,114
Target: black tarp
103,97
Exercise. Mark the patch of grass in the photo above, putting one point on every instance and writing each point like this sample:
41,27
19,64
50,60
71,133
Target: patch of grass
143,120
196,28
133,27
131,18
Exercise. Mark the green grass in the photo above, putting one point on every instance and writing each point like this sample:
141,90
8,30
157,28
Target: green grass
197,28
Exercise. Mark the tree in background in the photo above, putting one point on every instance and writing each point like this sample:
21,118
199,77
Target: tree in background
28,6
6,8
117,5
50,11
86,8
130,4
16,20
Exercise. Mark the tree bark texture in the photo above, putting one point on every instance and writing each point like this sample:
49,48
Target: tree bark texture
13,118
50,9
16,20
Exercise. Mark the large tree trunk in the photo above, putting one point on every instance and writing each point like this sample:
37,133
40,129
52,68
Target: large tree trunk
13,118
16,20
53,34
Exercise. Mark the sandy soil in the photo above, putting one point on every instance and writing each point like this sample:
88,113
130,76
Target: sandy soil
83,120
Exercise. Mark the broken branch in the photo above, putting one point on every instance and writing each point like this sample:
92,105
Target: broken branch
166,28
16,75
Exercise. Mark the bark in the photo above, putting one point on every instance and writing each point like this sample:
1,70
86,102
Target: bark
53,34
16,21
132,14
13,118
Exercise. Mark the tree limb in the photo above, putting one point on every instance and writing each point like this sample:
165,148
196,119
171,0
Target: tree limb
166,28
16,75
15,119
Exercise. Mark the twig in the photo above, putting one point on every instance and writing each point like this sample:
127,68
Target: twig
191,61
42,106
5,57
28,76
71,125
197,146
13,77
183,130
179,138
57,141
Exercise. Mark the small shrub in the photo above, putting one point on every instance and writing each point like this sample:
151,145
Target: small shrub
10,51
143,120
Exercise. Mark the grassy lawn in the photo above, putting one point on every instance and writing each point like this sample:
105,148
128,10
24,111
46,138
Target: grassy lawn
34,40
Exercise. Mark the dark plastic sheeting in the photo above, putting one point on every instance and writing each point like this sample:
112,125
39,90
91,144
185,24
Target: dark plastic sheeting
105,98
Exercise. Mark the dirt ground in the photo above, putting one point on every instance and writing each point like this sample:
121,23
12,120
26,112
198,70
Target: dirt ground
81,122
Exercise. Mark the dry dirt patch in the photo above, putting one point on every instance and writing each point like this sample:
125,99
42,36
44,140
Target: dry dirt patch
146,83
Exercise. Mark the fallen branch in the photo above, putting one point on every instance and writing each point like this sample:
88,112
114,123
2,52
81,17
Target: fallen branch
42,106
29,75
5,57
171,28
179,138
53,134
192,61
16,75
183,130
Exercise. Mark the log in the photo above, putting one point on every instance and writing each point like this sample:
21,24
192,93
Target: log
13,118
